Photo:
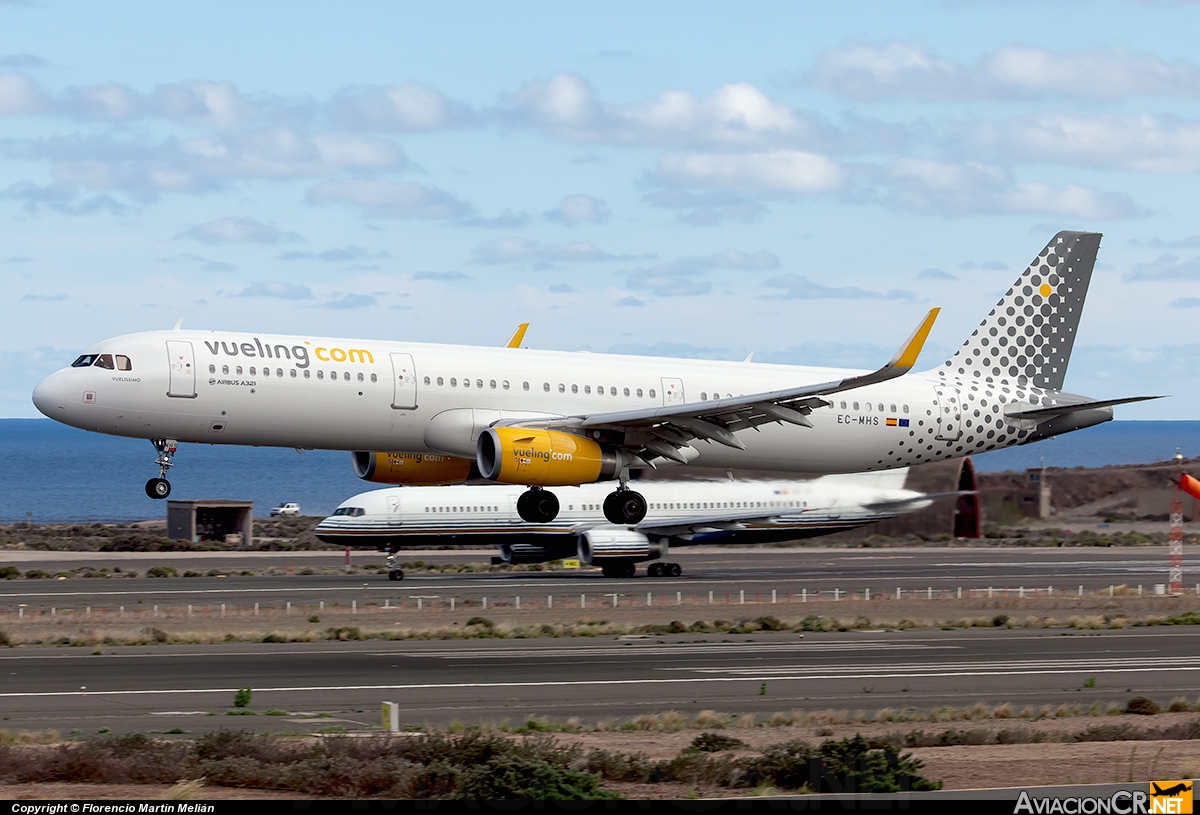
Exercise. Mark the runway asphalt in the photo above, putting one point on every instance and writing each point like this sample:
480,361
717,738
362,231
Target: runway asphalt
341,684
757,571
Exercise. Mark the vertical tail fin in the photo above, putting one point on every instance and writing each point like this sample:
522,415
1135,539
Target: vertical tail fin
1027,338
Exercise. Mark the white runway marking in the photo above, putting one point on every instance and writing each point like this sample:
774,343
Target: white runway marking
599,682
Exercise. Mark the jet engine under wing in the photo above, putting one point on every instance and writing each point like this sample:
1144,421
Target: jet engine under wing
662,431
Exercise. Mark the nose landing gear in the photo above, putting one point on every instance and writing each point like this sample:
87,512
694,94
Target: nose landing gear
624,507
394,570
536,506
160,487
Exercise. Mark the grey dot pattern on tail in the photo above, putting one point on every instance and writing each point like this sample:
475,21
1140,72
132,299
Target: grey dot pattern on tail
1027,338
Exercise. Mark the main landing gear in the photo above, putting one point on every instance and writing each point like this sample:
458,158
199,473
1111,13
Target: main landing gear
624,507
160,487
664,570
537,506
623,569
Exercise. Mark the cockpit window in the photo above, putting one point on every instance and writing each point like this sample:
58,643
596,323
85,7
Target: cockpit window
105,361
350,511
84,361
123,363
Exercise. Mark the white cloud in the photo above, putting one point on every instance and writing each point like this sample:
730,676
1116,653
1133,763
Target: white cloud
20,94
408,108
681,277
1144,143
238,229
1186,302
62,198
523,250
973,187
203,163
901,70
777,171
736,114
345,254
1165,267
936,274
707,208
351,301
277,289
212,104
390,199
579,209
799,287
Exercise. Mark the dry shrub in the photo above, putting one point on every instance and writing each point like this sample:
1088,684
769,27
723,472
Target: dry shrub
1090,623
1004,711
979,710
671,721
1179,704
1027,712
747,721
779,720
885,714
711,720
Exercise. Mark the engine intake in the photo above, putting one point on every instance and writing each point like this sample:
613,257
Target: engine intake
413,469
545,458
599,545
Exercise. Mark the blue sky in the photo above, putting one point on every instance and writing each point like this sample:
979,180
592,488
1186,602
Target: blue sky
695,179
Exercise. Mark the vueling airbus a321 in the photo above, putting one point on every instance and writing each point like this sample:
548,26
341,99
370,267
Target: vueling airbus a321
554,419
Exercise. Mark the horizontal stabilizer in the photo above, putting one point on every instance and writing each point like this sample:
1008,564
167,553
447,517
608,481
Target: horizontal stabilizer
1016,411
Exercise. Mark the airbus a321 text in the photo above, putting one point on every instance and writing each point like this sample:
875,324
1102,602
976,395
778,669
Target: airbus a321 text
680,513
428,414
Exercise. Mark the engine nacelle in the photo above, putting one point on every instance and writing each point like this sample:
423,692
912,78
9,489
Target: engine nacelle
413,469
545,458
531,553
602,544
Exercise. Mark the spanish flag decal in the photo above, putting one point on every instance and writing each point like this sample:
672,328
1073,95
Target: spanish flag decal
892,423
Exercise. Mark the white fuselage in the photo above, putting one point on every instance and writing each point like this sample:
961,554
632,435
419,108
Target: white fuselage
304,392
407,516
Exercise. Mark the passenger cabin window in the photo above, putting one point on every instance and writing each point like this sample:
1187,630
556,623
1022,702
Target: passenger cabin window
294,373
856,405
843,404
105,361
440,382
627,391
492,384
546,387
239,370
525,386
453,382
212,369
639,393
426,379
479,383
504,384
375,378
307,373
562,388
703,396
587,388
574,389
123,363
225,369
652,393
320,374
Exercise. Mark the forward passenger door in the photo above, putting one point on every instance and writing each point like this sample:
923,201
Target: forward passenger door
183,369
404,382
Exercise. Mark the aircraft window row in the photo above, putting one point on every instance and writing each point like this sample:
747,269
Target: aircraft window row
724,504
867,406
266,372
546,387
704,396
111,362
463,509
350,512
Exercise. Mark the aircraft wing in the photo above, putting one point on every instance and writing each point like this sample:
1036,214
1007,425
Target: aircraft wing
664,431
714,520
902,503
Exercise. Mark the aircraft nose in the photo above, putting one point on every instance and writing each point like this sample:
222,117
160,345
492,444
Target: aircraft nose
50,395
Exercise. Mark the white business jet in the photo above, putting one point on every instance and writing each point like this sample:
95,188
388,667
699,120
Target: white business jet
679,513
553,419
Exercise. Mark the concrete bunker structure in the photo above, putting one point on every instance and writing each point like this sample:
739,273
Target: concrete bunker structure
211,520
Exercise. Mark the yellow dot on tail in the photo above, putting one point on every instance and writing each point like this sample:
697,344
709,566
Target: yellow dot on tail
1045,290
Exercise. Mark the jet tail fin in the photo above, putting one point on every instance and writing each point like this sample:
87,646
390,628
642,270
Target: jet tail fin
1027,338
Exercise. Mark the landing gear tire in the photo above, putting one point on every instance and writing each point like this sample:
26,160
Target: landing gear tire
536,506
396,574
673,570
624,507
619,570
158,488
654,570
664,570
